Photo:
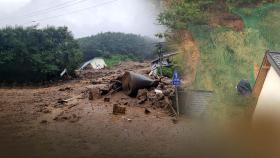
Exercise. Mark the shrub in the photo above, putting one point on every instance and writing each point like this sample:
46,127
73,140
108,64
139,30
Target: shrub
32,55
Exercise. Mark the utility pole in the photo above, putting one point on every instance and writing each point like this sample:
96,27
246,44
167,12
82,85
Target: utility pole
160,52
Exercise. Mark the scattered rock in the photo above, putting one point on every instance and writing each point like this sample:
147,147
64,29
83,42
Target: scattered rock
125,103
61,101
42,108
60,117
142,96
74,118
158,91
167,92
44,122
174,120
46,111
116,85
97,91
72,105
96,81
107,99
166,81
66,89
39,110
147,111
104,90
118,109
159,96
64,116
161,86
151,96
94,94
144,71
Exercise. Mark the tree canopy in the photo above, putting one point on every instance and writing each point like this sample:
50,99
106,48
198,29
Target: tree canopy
112,43
31,54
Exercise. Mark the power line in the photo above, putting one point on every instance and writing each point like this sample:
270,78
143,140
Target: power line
76,11
48,10
58,5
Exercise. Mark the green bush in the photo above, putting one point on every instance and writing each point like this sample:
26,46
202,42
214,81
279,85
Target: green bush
167,71
176,64
32,55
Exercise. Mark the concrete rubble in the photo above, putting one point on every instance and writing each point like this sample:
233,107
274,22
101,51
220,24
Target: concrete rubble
118,109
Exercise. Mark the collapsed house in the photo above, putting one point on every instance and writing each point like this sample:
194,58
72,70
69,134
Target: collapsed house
165,61
266,88
95,63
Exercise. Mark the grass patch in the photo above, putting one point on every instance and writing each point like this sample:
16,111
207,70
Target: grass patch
177,64
227,57
116,59
167,71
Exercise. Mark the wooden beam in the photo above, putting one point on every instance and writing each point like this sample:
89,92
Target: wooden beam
261,77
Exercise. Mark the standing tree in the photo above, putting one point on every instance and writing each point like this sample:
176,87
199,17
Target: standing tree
31,54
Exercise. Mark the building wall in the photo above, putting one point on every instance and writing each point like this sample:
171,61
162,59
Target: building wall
268,104
98,63
195,103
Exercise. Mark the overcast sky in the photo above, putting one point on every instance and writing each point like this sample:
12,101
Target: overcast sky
84,17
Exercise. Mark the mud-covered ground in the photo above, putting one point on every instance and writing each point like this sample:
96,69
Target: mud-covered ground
34,123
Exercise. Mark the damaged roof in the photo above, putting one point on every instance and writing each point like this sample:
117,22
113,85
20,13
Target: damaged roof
274,60
165,56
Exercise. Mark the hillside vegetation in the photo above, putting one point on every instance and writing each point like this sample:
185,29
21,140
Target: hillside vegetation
231,37
111,44
226,55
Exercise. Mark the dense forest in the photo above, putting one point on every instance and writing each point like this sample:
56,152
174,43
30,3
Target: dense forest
111,44
32,55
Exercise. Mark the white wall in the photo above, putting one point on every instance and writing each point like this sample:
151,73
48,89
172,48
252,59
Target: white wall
269,101
98,63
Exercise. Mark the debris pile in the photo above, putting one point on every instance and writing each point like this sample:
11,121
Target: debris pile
141,89
126,85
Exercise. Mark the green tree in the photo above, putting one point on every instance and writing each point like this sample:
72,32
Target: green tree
31,54
111,43
182,12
